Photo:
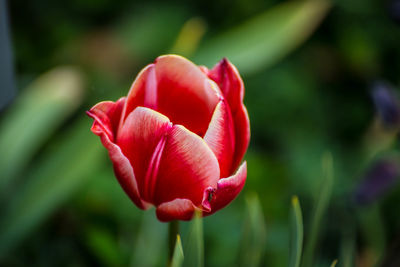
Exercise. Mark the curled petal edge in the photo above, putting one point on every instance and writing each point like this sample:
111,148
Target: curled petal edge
122,168
226,191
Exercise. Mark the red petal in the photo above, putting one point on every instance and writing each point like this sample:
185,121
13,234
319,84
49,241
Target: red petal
187,167
143,92
228,79
227,190
177,209
106,115
221,138
142,140
185,94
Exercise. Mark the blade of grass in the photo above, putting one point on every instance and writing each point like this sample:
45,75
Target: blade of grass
149,242
265,39
195,243
178,256
254,233
334,263
296,246
320,207
34,116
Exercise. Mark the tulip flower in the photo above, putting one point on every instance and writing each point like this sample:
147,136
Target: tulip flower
177,139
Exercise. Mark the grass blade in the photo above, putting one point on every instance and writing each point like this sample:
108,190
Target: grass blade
334,263
320,207
195,243
296,246
177,258
254,234
149,242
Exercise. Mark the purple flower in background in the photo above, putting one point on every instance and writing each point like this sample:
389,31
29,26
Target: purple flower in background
381,176
386,103
394,10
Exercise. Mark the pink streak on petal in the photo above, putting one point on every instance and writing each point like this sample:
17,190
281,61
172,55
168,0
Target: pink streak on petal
184,93
138,138
220,137
228,189
187,167
177,209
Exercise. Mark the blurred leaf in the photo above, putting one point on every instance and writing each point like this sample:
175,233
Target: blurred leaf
265,39
59,174
150,241
145,33
296,246
373,230
189,37
320,207
34,117
254,234
104,246
334,263
177,258
347,246
194,248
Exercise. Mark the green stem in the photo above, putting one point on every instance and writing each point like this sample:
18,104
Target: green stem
173,231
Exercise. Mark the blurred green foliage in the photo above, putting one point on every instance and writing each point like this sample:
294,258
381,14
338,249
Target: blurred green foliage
307,66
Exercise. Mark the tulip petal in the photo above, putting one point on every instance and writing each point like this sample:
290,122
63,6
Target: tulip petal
228,79
220,137
185,94
142,140
143,92
177,209
187,167
106,118
227,190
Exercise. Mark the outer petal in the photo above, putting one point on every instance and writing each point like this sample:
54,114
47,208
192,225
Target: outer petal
228,79
185,94
143,92
106,117
177,209
187,167
141,140
227,190
220,137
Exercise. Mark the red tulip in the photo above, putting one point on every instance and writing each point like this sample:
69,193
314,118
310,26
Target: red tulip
178,137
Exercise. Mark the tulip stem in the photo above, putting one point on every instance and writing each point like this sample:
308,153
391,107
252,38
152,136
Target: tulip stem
173,231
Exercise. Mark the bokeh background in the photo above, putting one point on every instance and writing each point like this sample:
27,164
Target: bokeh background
321,82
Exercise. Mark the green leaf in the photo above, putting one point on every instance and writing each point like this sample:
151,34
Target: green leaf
334,263
254,233
177,258
37,112
265,39
104,245
296,246
195,243
320,207
149,242
57,175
